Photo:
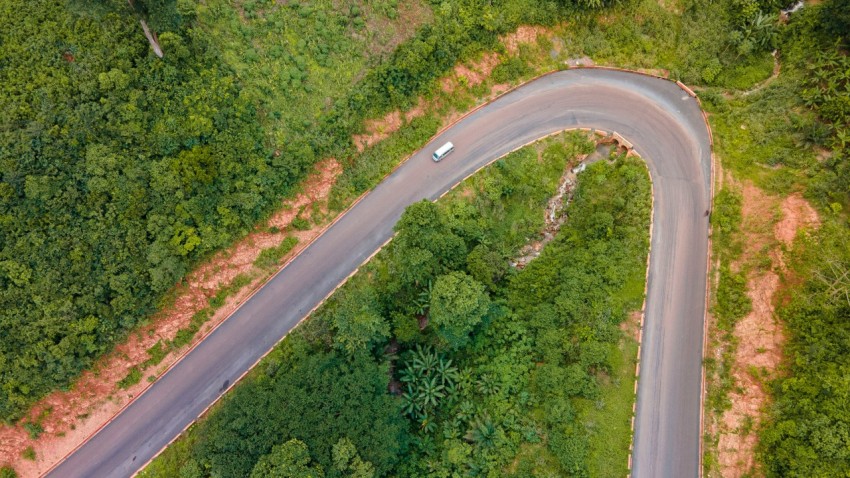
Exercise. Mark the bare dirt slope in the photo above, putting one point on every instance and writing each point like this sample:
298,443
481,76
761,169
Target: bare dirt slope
769,225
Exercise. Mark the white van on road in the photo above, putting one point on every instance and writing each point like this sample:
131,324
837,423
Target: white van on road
443,151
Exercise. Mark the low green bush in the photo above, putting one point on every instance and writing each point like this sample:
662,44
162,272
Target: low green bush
270,258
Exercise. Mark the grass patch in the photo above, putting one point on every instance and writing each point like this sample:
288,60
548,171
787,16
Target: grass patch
133,377
156,353
759,136
609,419
34,429
28,453
748,73
269,258
300,224
7,471
235,286
175,459
296,60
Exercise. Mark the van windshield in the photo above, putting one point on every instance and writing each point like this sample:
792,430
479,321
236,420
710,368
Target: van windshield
443,150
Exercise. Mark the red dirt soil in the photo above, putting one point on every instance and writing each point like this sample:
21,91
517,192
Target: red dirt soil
470,74
523,34
71,416
380,129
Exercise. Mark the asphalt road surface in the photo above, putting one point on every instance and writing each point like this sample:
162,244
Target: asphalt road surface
666,127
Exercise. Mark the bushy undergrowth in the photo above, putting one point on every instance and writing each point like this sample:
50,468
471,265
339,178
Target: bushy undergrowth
807,431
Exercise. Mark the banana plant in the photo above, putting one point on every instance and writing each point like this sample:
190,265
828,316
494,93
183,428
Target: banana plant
429,379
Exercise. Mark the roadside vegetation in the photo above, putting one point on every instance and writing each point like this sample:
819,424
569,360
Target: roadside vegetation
440,358
806,432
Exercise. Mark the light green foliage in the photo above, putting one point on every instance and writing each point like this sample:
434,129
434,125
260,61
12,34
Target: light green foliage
458,304
698,41
288,460
297,60
357,321
346,460
270,258
759,136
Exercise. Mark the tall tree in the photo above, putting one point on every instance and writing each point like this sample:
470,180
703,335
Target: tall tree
288,460
458,304
357,321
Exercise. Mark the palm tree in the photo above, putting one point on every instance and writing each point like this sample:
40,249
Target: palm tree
842,137
487,385
482,432
430,392
429,379
448,374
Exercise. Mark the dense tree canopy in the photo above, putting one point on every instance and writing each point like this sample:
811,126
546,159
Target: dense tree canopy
318,398
287,460
458,304
117,170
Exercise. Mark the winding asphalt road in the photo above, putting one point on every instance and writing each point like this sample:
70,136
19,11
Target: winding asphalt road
666,127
